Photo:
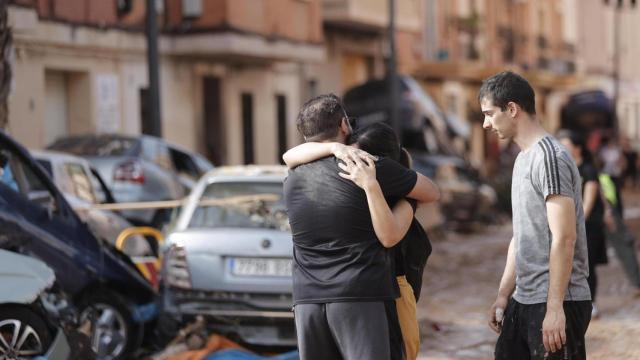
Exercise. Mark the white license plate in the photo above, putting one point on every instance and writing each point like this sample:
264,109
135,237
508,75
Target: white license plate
260,267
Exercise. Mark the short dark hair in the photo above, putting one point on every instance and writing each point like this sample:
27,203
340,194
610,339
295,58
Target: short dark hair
506,87
377,139
320,117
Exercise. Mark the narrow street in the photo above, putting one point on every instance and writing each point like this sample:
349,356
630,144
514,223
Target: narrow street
461,281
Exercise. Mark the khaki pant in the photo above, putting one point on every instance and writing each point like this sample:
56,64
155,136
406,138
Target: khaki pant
406,307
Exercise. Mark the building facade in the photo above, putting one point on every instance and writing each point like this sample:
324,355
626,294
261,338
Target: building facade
232,72
466,41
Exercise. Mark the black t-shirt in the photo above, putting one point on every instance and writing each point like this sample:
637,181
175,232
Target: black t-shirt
595,220
337,256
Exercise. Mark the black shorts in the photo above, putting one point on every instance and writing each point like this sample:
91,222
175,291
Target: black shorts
521,336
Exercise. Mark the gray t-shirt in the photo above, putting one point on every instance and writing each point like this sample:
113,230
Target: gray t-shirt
545,169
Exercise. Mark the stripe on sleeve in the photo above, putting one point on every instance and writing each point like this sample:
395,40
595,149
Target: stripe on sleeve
555,172
546,167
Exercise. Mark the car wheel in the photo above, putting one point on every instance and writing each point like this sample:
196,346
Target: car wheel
114,334
23,333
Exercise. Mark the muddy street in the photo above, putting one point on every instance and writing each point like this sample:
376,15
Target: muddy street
461,281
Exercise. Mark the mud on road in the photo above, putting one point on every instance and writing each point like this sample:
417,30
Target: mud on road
461,281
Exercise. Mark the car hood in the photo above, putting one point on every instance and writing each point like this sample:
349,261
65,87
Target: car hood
25,276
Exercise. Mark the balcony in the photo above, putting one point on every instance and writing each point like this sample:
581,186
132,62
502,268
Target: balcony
254,29
371,15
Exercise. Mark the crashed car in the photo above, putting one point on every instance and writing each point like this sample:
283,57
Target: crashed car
104,284
29,311
465,197
136,169
81,187
228,257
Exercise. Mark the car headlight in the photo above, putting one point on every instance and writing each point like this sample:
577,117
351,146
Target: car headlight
177,268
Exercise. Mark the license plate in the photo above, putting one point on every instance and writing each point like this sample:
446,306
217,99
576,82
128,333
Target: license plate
260,267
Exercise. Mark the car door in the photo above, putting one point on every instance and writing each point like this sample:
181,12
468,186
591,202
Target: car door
34,211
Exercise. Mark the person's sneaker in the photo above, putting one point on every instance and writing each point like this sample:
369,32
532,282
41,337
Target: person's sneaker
594,311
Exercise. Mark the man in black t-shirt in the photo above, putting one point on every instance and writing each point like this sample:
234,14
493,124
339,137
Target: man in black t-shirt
341,274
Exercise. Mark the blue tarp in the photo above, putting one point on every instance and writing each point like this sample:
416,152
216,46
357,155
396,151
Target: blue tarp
235,354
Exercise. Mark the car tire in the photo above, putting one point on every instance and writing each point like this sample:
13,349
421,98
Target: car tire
111,319
27,323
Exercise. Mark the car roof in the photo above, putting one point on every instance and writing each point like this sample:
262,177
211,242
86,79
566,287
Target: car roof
57,156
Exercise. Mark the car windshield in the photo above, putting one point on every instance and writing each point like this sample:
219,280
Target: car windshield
241,205
96,146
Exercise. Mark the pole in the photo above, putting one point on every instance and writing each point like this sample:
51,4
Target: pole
392,73
152,63
616,64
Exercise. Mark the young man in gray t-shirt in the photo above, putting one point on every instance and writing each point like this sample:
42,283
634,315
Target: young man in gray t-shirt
543,306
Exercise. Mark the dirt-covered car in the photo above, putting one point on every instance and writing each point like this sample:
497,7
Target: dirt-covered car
228,256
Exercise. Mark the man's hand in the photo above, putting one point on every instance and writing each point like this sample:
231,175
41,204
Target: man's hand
496,314
350,154
553,329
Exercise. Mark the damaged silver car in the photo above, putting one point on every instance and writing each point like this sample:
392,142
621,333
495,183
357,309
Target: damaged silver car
229,256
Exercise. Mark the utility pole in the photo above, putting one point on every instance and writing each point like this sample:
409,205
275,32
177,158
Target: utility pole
151,29
617,11
6,44
392,75
616,65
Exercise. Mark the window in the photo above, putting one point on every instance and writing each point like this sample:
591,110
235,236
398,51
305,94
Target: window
281,115
214,132
80,182
103,145
156,152
184,164
247,127
46,165
20,177
246,214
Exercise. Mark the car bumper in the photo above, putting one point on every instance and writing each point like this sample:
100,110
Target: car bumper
59,349
253,326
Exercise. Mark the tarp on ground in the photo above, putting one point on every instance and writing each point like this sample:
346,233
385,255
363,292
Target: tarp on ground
219,347
235,354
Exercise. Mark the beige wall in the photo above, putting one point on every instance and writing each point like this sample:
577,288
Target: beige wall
178,94
264,84
81,71
85,67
